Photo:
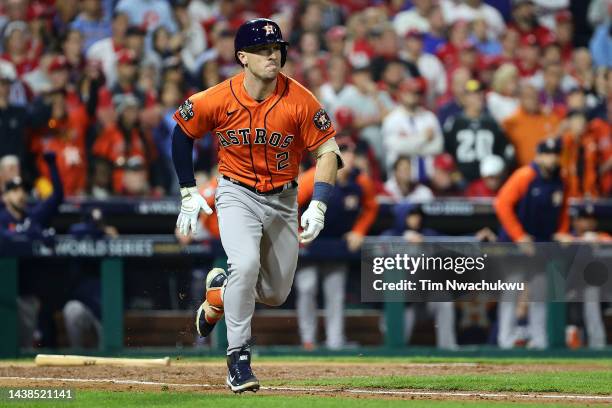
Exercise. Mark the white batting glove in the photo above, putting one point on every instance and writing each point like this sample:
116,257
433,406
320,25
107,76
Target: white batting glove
312,221
191,204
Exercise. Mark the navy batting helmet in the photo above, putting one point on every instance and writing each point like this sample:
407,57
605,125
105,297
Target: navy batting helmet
260,31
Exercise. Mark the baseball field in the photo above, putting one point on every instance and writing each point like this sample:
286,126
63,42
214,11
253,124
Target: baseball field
325,382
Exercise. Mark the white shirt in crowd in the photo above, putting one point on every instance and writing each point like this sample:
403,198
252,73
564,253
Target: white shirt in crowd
419,194
432,69
365,106
407,133
330,99
454,12
405,21
501,106
104,52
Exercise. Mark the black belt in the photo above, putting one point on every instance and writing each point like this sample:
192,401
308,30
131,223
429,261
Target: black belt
286,186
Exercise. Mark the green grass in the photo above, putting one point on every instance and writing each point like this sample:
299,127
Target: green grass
191,400
579,382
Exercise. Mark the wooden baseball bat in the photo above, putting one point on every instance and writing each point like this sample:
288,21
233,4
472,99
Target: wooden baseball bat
70,360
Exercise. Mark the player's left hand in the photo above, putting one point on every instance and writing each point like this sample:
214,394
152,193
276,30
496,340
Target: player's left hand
192,203
312,221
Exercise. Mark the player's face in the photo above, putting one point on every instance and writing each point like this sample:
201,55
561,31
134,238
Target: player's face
263,62
16,198
548,161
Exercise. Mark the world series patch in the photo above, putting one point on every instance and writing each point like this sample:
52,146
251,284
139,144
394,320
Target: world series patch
321,120
186,110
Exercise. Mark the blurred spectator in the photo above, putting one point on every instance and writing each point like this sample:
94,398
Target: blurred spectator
335,41
445,181
601,42
351,211
492,171
369,105
135,182
486,43
221,52
458,41
454,105
529,125
415,18
410,129
101,178
124,141
553,84
170,99
564,34
525,21
401,186
14,10
9,168
528,56
104,50
428,65
190,38
502,101
92,23
18,218
472,10
331,91
15,45
473,135
64,135
436,36
526,217
148,14
582,157
13,123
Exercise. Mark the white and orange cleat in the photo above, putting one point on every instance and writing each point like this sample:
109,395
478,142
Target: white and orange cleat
211,311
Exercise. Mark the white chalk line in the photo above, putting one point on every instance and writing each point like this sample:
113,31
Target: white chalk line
326,390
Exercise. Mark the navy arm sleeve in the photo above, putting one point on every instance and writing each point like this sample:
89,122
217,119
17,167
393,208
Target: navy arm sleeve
182,157
43,212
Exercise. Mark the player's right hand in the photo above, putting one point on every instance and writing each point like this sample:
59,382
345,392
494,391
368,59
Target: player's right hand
312,221
191,205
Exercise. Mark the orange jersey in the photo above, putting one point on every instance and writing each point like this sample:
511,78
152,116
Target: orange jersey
526,130
581,158
260,143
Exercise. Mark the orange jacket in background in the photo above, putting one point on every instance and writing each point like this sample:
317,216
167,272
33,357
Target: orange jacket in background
526,130
582,157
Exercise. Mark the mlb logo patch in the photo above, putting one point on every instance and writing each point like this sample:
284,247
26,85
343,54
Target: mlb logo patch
186,110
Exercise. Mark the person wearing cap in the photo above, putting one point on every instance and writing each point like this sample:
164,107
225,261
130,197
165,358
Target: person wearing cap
492,170
17,218
351,212
586,147
428,65
335,41
444,179
532,206
125,140
410,129
473,135
525,22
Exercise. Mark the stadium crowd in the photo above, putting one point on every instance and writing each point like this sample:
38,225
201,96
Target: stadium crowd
442,97
433,98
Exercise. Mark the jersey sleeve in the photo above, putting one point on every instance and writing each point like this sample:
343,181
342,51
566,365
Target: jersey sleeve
511,193
315,124
369,209
196,115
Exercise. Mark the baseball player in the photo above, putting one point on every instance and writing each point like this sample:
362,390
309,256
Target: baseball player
263,121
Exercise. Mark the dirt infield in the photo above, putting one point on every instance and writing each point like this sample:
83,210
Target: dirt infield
209,377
